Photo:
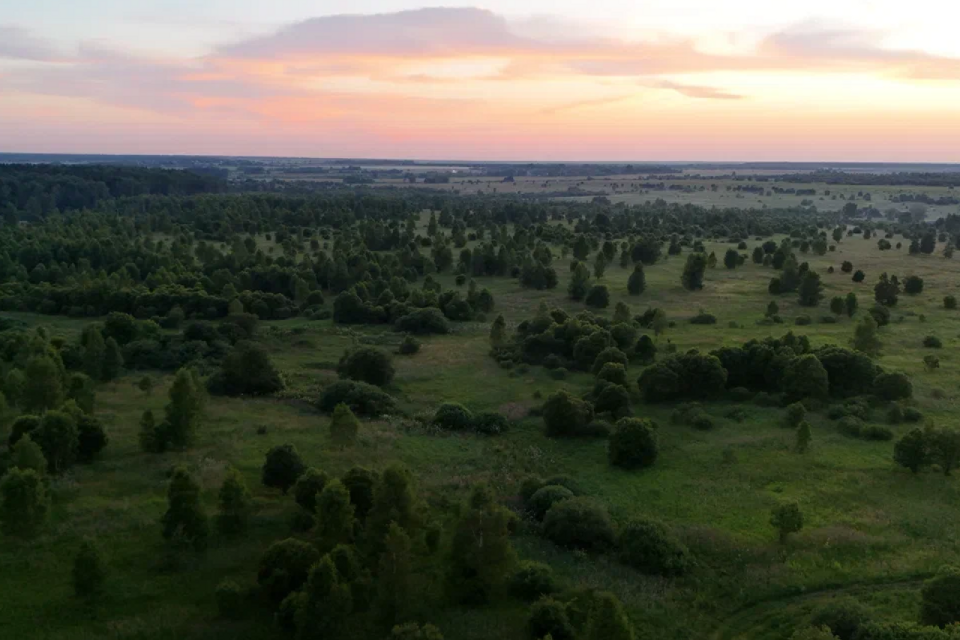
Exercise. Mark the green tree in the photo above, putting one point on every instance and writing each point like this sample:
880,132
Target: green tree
693,270
94,350
184,412
185,522
149,435
366,364
579,282
42,385
498,332
112,361
394,501
607,619
599,265
633,444
395,585
89,572
59,439
786,518
836,305
413,631
621,314
805,377
344,426
325,605
945,448
865,336
481,555
247,370
80,389
235,503
27,454
912,450
23,502
940,599
772,309
731,259
335,515
810,289
850,304
637,282
307,487
145,384
282,467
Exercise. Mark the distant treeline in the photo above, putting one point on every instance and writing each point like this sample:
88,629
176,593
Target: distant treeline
32,191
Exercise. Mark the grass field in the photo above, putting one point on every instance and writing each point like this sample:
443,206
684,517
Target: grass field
871,528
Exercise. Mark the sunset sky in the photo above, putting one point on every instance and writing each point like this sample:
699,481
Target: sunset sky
862,80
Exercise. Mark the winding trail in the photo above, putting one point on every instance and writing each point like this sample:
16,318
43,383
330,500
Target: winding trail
742,622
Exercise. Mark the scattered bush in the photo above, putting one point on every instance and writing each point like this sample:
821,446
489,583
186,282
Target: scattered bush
579,523
409,346
565,415
543,499
451,416
423,322
362,398
366,364
648,546
548,619
533,580
633,443
843,617
932,342
490,424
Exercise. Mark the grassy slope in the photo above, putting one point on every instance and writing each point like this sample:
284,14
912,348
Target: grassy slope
866,520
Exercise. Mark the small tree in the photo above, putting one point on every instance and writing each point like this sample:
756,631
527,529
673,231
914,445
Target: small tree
185,521
395,590
145,384
235,504
803,437
810,289
282,467
912,450
850,304
308,486
23,503
59,439
94,349
607,619
344,426
693,270
498,332
786,518
335,517
42,387
366,364
598,296
634,443
149,435
325,603
865,336
88,573
184,412
481,555
940,599
837,305
247,370
27,454
806,377
945,449
731,259
112,361
637,282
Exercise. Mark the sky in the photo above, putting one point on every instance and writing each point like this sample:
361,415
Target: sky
553,80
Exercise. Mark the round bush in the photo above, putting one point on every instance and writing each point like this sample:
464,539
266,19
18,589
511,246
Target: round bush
843,617
532,580
409,346
362,398
453,417
548,617
633,444
541,501
490,423
949,302
701,421
529,486
876,432
566,482
284,567
932,342
423,322
850,426
893,386
229,598
912,414
559,373
608,355
366,364
649,547
579,523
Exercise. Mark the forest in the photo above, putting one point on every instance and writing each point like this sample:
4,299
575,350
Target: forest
268,409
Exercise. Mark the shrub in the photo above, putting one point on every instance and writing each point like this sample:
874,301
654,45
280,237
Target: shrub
579,523
940,599
913,285
235,504
344,426
559,374
366,364
185,521
490,423
893,386
612,399
648,546
690,375
633,443
932,342
703,318
876,432
796,412
608,355
614,373
310,483
423,322
285,566
912,450
843,617
548,619
230,600
565,481
895,414
566,415
701,421
247,370
451,416
88,572
533,580
949,302
786,518
803,321
409,346
598,296
282,467
543,499
912,414
805,377
362,398
850,426
23,502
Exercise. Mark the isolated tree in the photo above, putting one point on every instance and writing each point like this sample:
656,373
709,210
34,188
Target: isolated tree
150,437
282,467
598,296
344,426
581,248
579,282
693,270
945,448
757,255
621,314
42,387
23,502
913,285
607,619
837,305
89,572
184,413
637,282
850,304
928,243
803,437
645,350
145,384
481,554
59,439
27,454
247,370
185,522
235,504
859,276
498,332
772,309
366,364
731,259
865,336
633,444
325,604
810,289
599,266
912,450
887,290
94,350
786,518
335,515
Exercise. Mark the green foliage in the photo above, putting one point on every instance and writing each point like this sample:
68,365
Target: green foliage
805,377
112,361
396,597
865,336
548,618
282,467
335,515
498,331
579,523
366,364
692,277
613,372
481,554
362,398
183,415
533,580
633,444
344,426
247,371
608,355
408,346
27,454
59,439
940,599
648,546
893,386
284,567
325,603
394,502
413,631
598,296
690,375
451,416
607,620
786,518
544,498
42,385
796,412
803,437
235,503
912,450
843,617
230,600
360,483
565,415
637,282
185,522
88,572
24,503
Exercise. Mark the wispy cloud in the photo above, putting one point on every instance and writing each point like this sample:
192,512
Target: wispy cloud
19,44
695,91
